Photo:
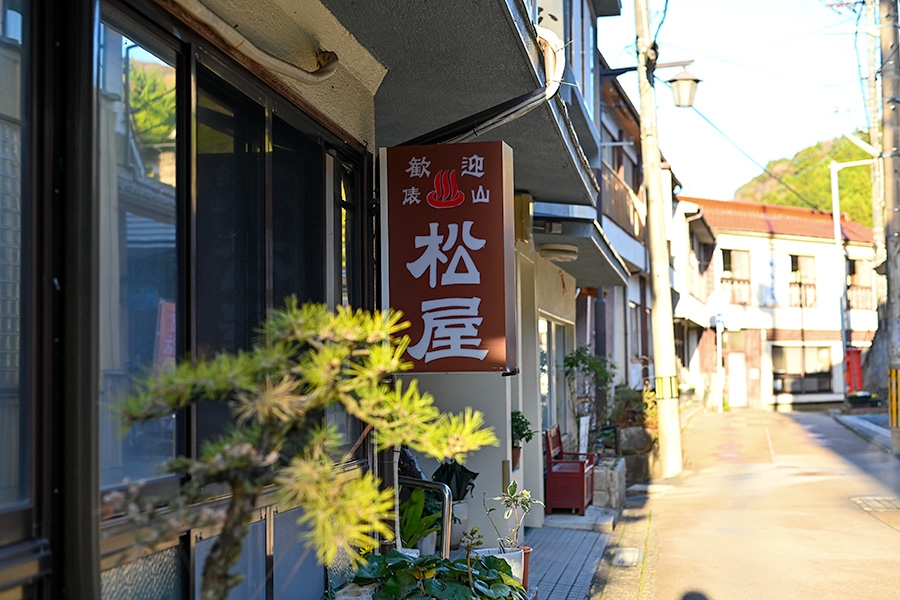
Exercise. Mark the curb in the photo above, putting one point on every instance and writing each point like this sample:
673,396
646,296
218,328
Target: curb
875,435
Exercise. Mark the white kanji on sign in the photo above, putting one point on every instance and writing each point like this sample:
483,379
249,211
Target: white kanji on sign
411,196
472,165
418,167
451,330
435,247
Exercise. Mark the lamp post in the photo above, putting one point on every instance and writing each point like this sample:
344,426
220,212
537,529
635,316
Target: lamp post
683,85
890,146
665,368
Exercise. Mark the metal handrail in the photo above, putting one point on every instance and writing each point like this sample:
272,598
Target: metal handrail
446,506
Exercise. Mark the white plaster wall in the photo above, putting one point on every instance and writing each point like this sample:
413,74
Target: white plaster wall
531,470
490,393
770,267
556,290
620,348
770,272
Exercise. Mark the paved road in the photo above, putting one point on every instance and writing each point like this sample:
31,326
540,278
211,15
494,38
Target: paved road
777,506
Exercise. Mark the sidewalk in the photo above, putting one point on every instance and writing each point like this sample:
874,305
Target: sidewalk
566,552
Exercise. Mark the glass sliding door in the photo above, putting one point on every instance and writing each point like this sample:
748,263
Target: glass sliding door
15,459
138,262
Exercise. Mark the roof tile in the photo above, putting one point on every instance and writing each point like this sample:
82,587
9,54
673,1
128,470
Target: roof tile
735,215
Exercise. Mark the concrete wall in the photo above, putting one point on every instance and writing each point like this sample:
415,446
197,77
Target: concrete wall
294,30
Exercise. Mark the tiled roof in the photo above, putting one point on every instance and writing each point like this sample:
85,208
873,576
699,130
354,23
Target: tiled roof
733,215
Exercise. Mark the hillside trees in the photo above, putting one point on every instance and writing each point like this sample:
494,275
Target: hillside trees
808,173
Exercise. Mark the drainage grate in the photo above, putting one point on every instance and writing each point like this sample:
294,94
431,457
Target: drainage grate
877,503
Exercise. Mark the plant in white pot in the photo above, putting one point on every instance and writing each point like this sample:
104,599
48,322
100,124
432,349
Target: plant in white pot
517,504
520,429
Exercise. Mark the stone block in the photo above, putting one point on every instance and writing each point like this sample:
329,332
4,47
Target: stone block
609,483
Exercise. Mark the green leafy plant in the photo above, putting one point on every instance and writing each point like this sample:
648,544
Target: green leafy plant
635,408
306,360
417,518
399,576
589,378
520,427
517,504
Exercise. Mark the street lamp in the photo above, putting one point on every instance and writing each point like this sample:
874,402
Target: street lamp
684,85
664,365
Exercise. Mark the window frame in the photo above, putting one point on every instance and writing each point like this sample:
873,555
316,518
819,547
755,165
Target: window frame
559,341
194,52
804,376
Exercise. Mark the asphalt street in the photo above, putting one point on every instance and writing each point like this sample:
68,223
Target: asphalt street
774,506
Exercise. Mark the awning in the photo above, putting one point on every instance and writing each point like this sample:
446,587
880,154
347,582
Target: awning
450,60
596,264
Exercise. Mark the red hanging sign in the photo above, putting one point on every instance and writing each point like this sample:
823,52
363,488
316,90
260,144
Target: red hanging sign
448,246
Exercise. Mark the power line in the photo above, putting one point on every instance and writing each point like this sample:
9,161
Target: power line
661,21
753,160
862,86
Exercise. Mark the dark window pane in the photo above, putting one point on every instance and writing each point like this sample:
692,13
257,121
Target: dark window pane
298,575
230,251
138,266
298,212
251,564
14,457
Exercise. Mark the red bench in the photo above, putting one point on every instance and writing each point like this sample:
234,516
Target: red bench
569,481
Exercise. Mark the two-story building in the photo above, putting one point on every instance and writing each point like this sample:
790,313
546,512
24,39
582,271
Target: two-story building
784,291
172,169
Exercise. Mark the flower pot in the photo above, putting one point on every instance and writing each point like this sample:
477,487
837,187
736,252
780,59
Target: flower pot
460,513
427,544
516,456
515,557
526,558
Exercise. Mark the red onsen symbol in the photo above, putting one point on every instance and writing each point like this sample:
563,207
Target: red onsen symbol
446,194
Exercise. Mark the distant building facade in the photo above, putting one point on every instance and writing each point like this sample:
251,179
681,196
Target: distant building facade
783,292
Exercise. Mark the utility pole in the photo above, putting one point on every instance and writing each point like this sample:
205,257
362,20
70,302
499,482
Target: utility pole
875,141
890,94
664,365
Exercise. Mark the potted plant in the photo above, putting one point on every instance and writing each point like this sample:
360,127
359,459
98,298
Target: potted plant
461,482
420,514
521,431
517,504
399,576
589,378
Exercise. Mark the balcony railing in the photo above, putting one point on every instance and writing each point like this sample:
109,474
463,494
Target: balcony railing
861,297
621,204
802,295
737,290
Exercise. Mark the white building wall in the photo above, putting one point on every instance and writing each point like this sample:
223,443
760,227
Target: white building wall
770,305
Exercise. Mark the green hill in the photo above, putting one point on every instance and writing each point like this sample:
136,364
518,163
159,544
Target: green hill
809,176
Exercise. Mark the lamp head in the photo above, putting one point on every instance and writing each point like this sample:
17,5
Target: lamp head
684,86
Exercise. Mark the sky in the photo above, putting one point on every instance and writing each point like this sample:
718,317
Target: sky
777,76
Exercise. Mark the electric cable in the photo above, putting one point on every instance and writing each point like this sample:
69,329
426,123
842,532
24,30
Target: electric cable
862,86
662,20
754,161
